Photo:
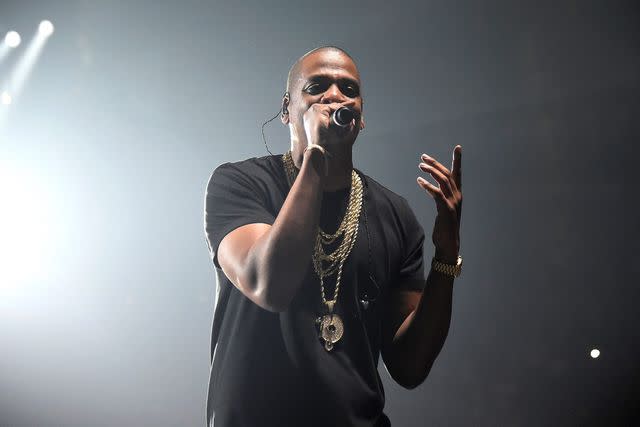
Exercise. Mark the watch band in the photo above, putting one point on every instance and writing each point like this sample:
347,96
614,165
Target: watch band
448,269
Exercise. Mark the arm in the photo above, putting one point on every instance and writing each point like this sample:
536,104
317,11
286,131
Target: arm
267,263
410,349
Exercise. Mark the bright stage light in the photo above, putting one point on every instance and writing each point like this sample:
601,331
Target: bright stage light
5,98
46,28
24,65
12,39
595,353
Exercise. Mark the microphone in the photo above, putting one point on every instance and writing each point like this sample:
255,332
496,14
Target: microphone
343,116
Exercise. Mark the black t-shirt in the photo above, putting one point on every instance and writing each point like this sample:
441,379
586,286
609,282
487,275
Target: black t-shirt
271,369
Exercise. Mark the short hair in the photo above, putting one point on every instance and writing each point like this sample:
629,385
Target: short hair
293,71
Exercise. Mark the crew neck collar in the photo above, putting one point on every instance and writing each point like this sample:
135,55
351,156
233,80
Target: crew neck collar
365,183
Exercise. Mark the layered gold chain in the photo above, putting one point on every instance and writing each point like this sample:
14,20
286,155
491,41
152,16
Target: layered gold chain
348,229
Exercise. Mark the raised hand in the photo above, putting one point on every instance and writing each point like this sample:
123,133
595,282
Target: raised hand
448,198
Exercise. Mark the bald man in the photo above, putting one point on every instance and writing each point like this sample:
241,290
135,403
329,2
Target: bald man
320,268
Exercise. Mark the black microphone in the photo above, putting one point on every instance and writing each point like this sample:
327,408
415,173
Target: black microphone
343,116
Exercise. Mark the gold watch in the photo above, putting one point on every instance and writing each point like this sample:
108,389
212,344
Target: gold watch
448,269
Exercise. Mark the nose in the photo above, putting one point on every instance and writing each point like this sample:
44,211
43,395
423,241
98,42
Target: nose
333,94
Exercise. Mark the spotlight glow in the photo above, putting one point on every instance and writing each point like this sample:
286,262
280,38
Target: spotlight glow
595,353
24,65
46,28
25,229
12,39
5,98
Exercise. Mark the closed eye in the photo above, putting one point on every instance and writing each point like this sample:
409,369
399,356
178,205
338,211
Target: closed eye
346,87
314,89
350,91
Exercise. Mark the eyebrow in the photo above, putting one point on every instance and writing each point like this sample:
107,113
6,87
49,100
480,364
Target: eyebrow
324,77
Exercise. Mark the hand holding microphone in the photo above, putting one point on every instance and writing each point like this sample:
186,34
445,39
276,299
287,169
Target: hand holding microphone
324,122
325,125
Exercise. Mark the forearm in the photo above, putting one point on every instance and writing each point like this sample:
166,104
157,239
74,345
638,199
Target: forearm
281,257
422,335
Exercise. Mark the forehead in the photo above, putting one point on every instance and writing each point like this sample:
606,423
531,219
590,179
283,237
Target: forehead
330,63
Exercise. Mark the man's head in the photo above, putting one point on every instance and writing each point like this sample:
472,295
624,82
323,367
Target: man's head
324,75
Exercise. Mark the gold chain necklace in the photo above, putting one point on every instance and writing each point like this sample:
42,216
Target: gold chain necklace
331,326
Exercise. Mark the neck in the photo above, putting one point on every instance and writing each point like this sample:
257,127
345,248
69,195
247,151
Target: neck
340,165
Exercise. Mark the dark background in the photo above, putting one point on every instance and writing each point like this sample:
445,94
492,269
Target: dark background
106,288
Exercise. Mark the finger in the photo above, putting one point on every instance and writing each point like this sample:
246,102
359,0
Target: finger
443,181
319,108
331,107
456,166
335,105
439,166
313,112
432,189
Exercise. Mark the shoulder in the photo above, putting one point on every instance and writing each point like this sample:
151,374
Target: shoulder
248,170
264,164
392,209
384,197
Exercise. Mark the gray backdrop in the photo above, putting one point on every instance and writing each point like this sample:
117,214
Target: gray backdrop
107,152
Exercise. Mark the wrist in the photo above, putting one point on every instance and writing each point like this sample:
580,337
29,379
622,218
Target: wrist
449,269
447,257
316,156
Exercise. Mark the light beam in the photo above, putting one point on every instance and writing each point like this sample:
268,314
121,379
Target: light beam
25,64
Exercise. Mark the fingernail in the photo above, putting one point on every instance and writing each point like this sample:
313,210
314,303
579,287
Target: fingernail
424,156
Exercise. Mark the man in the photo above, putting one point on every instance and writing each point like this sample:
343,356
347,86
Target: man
320,269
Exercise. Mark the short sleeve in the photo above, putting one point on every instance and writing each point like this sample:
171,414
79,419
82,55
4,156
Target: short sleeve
411,273
232,200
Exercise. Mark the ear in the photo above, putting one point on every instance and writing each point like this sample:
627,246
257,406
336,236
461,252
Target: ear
284,110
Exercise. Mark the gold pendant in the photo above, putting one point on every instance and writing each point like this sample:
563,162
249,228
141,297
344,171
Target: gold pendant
331,329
